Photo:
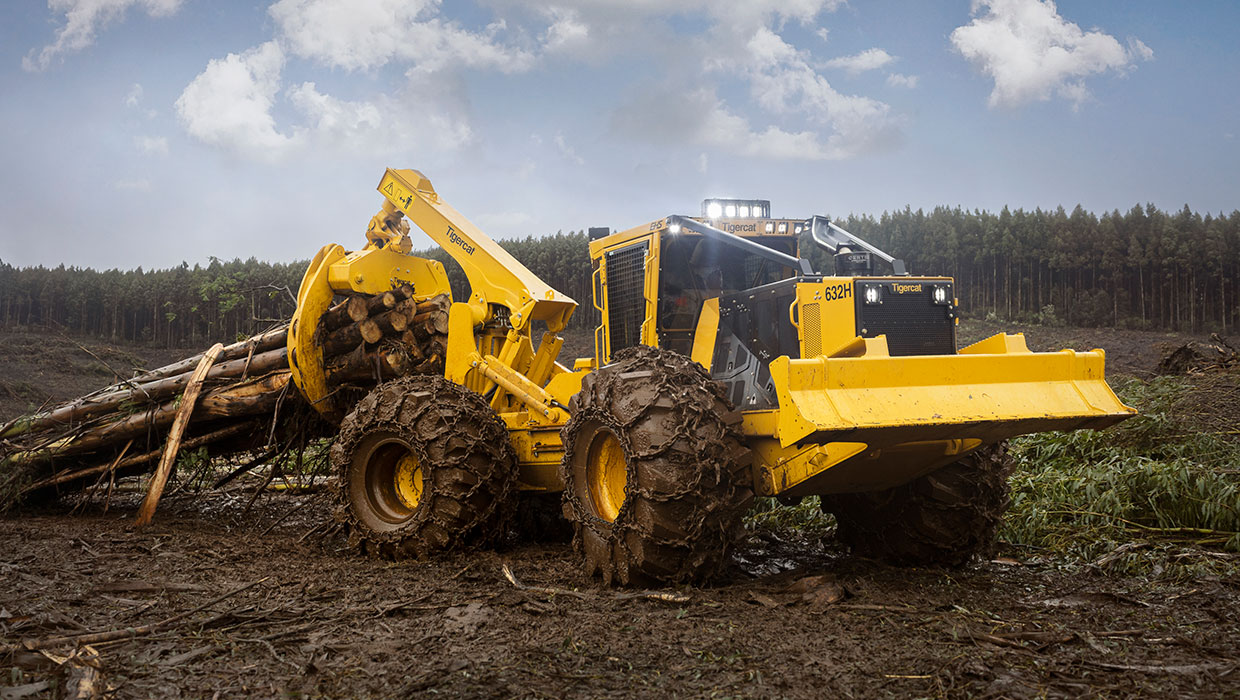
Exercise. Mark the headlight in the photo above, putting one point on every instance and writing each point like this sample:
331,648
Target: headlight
714,210
872,294
730,210
744,212
673,228
942,295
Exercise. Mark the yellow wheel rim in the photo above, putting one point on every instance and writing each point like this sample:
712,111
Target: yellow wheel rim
409,481
607,475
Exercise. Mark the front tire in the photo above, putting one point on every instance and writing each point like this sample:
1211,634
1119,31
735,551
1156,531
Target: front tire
655,475
944,518
424,466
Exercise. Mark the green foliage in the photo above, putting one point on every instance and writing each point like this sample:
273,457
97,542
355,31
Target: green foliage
1153,479
806,517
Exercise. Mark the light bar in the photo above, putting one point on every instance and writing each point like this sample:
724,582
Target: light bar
716,208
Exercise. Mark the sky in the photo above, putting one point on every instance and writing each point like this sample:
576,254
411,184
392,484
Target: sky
152,132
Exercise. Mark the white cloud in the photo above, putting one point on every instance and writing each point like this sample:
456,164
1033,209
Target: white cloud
870,59
567,33
1138,48
229,104
432,120
367,34
83,19
783,82
702,119
152,145
1033,53
901,80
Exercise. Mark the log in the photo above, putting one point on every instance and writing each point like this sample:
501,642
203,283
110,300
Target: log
394,322
362,365
410,341
370,331
243,399
435,320
109,398
275,338
379,303
155,488
88,408
191,444
341,314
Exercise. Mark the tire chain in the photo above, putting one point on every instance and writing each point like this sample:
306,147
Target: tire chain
449,427
705,451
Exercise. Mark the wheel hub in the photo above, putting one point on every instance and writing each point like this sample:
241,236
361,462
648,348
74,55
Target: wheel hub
607,475
409,481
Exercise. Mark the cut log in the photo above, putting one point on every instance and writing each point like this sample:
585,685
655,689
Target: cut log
156,487
370,330
395,321
433,320
341,314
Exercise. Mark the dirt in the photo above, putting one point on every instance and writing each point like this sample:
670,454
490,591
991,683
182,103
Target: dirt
44,367
788,617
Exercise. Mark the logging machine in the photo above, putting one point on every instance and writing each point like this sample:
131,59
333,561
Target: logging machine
724,367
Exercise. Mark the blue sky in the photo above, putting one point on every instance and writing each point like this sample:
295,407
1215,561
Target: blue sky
148,132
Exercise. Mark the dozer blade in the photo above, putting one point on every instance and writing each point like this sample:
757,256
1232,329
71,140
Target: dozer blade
990,391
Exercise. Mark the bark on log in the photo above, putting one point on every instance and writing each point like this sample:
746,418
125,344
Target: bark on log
191,444
342,341
155,488
340,315
261,345
237,400
92,407
263,342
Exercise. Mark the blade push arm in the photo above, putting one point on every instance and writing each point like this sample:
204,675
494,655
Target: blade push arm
495,277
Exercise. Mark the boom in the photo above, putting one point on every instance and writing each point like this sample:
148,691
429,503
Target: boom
495,277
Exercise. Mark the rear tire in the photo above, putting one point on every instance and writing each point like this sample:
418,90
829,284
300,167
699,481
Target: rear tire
944,518
655,474
424,466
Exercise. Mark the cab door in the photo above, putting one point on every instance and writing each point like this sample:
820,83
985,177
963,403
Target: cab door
623,280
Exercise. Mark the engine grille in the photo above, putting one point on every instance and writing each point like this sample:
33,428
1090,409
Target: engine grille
626,300
912,322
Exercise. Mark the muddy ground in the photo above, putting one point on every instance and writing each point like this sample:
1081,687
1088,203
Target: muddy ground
791,617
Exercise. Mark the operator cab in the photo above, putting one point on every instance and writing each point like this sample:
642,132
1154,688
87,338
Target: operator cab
729,289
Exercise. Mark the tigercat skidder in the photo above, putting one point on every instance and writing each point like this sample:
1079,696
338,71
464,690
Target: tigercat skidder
724,367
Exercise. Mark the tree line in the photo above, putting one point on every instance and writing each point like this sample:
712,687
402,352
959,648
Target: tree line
1145,268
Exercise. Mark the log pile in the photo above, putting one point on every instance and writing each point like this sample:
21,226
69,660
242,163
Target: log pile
247,398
